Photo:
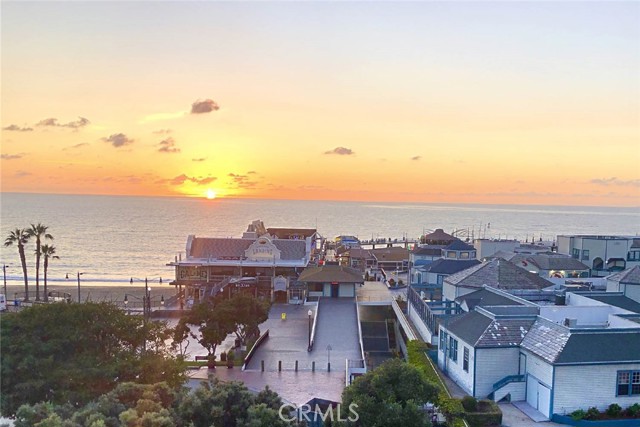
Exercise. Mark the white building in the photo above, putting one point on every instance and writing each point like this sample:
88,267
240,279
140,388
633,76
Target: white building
556,358
627,282
603,254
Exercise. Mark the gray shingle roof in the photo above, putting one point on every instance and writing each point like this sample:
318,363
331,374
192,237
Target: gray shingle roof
331,273
630,276
498,273
601,347
549,262
546,339
617,301
484,297
213,247
450,266
479,330
390,254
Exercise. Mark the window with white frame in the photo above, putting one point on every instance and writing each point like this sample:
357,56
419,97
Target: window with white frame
628,383
465,359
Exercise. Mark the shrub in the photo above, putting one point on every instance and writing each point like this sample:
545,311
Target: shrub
488,413
578,415
592,414
470,404
231,355
614,410
400,282
634,410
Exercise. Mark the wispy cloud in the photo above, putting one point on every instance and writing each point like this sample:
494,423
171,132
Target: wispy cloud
118,140
615,181
342,151
416,157
12,156
206,106
75,147
162,131
181,179
16,128
22,174
168,146
243,181
81,122
200,159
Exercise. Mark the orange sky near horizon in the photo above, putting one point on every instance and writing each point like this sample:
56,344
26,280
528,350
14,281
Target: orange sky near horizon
507,103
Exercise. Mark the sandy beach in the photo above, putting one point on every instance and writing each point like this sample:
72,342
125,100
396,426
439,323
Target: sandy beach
109,293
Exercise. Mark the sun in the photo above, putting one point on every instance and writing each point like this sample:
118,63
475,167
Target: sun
211,194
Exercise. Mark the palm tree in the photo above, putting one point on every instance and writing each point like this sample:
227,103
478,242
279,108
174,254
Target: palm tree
48,252
20,237
38,231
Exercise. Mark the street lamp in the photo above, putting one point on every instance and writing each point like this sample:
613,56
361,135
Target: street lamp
309,313
79,274
329,357
4,273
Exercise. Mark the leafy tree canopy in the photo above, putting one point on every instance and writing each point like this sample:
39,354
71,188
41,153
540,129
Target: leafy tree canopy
72,353
389,396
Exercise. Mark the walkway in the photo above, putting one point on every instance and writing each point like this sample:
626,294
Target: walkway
514,417
338,328
378,292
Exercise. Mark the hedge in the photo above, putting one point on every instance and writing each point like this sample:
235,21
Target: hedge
450,407
491,415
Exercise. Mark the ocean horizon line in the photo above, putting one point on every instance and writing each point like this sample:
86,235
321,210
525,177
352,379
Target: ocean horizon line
236,198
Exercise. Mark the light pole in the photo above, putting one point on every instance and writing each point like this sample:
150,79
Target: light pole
309,313
146,300
79,274
4,273
329,357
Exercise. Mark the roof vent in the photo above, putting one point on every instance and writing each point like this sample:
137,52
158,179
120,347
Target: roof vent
572,323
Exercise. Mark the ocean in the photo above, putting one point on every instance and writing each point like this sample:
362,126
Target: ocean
111,239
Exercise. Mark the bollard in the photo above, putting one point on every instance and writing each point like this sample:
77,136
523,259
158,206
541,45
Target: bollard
329,367
313,366
296,366
262,365
279,365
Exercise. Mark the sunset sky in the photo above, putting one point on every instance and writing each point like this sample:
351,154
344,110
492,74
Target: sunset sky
483,102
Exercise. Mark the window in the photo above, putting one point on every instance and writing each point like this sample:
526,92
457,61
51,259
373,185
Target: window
628,383
453,349
451,254
575,253
465,360
464,255
633,256
585,254
440,279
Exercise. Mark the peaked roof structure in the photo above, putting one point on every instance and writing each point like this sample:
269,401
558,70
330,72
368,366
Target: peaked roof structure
547,261
630,276
498,273
331,273
220,248
480,330
449,266
394,254
439,237
485,297
459,245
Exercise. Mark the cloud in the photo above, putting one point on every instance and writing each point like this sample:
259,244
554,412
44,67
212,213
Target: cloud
206,106
162,131
118,140
342,151
82,144
81,122
615,181
17,128
181,179
21,174
168,146
243,181
201,159
12,156
416,157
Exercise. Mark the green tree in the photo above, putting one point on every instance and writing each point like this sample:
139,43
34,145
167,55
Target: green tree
20,237
48,252
389,396
76,352
212,326
39,231
243,313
